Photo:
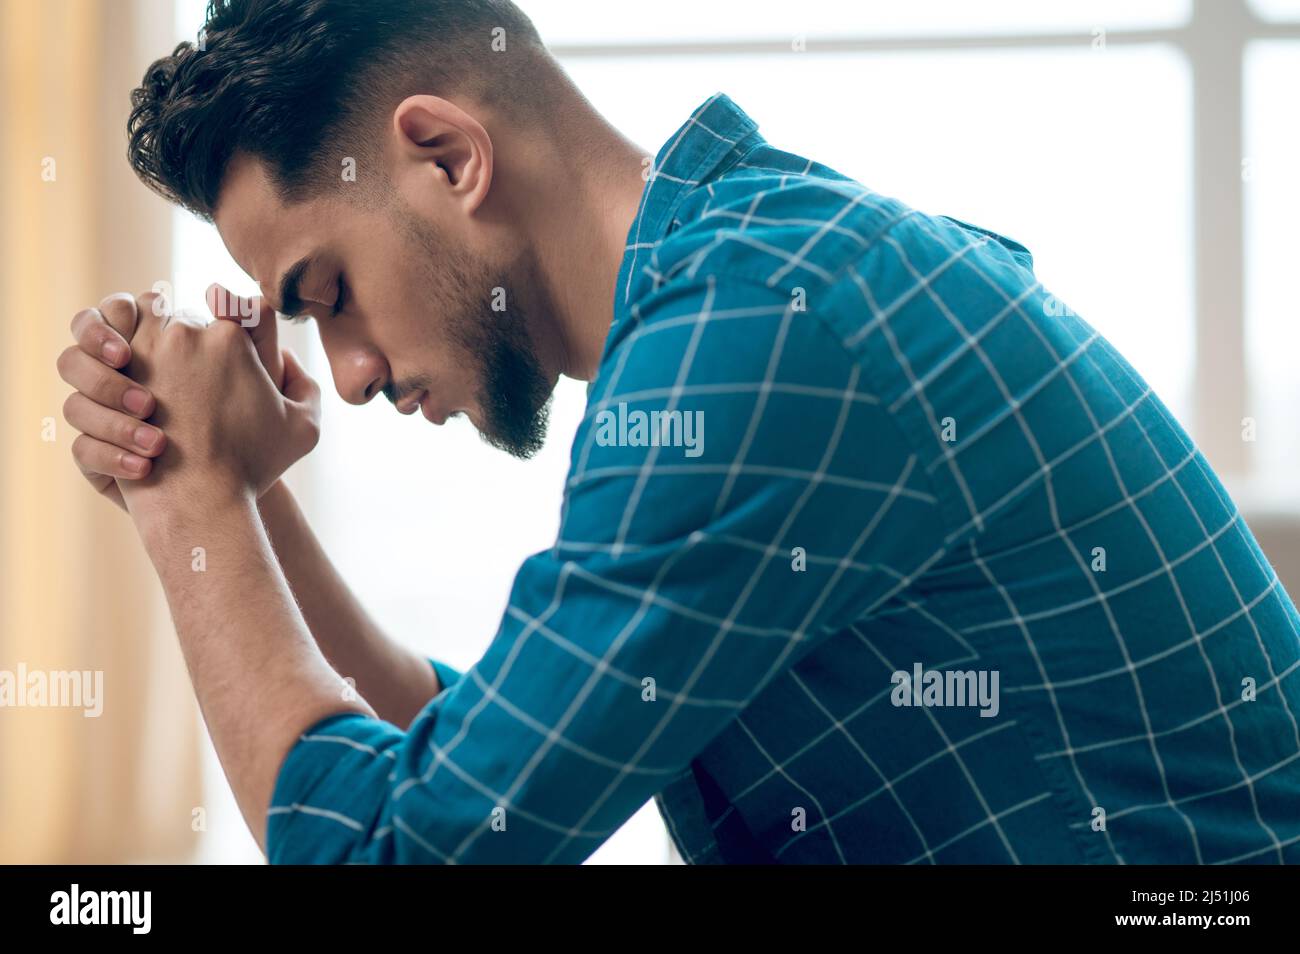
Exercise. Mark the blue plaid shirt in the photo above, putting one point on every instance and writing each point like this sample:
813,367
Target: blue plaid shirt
871,551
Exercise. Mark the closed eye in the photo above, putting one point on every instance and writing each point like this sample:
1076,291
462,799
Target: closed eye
339,301
341,297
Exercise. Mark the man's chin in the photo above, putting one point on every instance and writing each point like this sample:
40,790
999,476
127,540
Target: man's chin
521,438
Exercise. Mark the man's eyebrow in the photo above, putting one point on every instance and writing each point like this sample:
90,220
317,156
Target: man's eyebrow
290,301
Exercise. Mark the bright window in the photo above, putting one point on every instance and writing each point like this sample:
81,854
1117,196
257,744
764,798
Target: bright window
1058,149
590,23
1272,189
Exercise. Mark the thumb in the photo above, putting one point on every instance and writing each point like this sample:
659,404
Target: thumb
300,389
259,321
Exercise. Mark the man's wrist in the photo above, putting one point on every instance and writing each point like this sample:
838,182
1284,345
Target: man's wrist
161,515
276,505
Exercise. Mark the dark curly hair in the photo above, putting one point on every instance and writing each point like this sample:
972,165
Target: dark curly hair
299,84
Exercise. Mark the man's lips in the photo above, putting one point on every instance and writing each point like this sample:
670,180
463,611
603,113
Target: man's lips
407,405
422,401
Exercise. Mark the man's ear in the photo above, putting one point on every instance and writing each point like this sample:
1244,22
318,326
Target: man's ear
449,142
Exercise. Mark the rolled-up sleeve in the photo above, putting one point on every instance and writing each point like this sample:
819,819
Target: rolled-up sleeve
447,675
684,579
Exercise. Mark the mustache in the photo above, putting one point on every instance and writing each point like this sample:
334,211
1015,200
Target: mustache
395,391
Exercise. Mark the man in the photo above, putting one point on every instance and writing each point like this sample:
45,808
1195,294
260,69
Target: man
940,581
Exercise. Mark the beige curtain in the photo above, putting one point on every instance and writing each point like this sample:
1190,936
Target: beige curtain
76,590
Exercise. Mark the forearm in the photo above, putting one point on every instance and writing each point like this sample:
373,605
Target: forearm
392,678
259,677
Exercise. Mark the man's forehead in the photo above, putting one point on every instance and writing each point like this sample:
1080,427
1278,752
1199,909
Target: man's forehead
264,236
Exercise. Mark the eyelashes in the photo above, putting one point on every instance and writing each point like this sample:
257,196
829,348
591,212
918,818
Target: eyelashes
341,297
339,303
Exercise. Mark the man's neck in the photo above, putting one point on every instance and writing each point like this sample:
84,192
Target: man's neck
584,190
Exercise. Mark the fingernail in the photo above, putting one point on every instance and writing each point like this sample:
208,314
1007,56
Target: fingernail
136,400
114,351
146,438
134,464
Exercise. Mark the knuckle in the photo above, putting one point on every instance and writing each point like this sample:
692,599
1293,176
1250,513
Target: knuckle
179,333
116,300
85,314
225,328
148,303
64,362
106,390
119,311
228,337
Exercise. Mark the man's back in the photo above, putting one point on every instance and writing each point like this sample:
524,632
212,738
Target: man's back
1086,554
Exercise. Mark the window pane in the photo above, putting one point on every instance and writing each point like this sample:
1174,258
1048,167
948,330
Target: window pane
1080,155
1272,137
1277,9
600,21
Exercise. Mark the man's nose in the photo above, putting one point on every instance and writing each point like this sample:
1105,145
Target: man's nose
359,374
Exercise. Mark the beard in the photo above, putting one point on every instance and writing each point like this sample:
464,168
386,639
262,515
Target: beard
514,394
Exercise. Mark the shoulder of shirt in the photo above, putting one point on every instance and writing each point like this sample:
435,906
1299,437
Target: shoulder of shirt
764,231
767,227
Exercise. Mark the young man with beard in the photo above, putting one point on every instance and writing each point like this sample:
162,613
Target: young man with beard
914,460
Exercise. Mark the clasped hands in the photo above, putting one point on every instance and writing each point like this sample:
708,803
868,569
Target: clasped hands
174,412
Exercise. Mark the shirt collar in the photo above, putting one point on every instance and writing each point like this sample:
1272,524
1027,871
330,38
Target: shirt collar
690,157
715,132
